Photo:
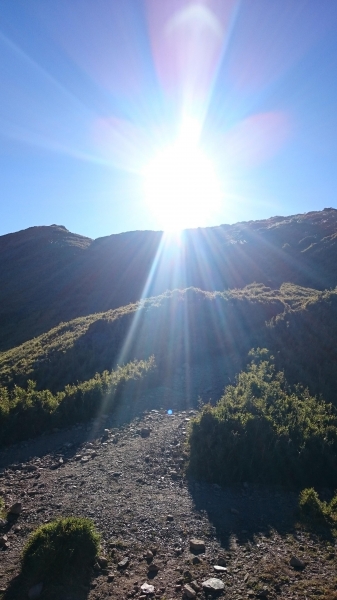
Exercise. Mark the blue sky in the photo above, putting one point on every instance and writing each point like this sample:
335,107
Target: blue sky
91,90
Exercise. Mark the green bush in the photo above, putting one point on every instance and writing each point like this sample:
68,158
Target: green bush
314,511
61,550
261,431
311,507
28,412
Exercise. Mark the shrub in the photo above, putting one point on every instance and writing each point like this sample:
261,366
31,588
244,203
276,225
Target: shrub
311,507
315,511
28,412
262,431
61,550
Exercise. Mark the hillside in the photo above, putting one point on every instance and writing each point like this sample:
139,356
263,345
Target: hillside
170,391
50,275
184,328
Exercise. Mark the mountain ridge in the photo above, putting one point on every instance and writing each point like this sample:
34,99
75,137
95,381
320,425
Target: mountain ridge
51,275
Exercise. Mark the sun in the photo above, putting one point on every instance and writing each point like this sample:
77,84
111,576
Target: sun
180,183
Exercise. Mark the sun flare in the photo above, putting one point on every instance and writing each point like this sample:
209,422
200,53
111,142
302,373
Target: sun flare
181,187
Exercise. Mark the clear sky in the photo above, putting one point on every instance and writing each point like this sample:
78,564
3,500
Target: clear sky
117,115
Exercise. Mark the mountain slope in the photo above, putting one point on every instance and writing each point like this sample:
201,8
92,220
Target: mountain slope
50,275
184,328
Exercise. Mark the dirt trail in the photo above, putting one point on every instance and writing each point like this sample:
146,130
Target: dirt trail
130,481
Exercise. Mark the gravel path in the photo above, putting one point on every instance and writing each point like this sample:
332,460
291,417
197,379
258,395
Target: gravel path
129,479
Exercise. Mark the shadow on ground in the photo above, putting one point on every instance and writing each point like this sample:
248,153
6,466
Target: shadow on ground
19,588
180,392
246,512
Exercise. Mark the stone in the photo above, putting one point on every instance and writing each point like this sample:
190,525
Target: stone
153,568
3,541
15,509
196,560
213,585
296,563
30,468
220,569
123,563
35,591
189,591
221,561
145,432
169,518
195,586
197,545
149,555
111,577
102,561
147,589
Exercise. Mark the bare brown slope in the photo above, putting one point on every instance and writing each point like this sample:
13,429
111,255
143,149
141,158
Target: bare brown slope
49,275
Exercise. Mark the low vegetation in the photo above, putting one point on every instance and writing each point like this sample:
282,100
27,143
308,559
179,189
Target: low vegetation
180,328
263,431
26,412
62,550
171,326
2,508
313,510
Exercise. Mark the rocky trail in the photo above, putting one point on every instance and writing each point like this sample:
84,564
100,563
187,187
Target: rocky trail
163,536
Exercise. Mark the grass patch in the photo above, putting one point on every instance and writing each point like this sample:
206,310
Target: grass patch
2,508
262,431
63,550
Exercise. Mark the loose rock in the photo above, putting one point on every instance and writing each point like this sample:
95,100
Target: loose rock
189,591
147,589
153,568
213,585
195,586
197,545
102,561
220,569
123,563
15,509
296,563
